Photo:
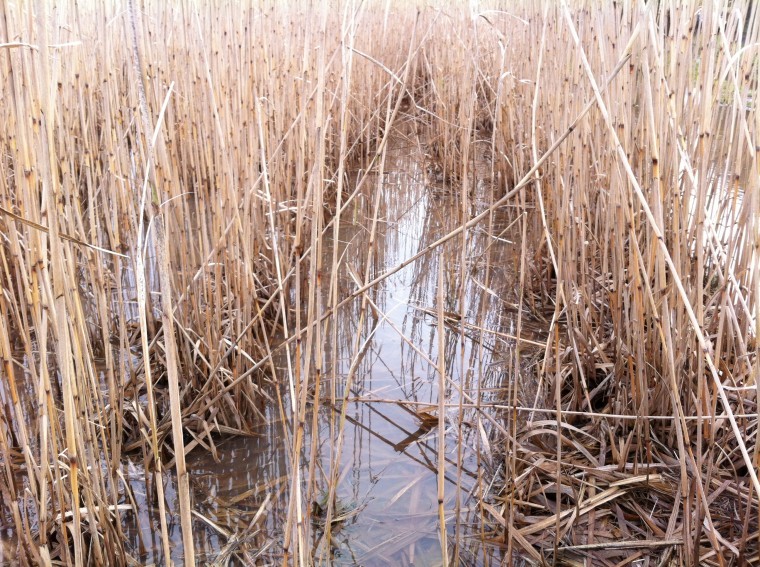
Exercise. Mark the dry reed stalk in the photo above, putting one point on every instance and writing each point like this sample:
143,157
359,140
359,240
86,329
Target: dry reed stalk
440,302
141,288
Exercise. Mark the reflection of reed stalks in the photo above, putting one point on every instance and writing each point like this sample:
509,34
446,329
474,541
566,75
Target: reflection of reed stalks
162,246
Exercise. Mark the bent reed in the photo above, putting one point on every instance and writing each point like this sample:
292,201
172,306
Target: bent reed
169,173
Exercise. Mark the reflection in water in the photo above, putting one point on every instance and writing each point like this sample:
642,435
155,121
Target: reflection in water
386,512
391,449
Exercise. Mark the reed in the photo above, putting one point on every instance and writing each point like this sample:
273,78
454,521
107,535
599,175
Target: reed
171,173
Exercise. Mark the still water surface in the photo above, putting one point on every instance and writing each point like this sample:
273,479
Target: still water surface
388,484
388,465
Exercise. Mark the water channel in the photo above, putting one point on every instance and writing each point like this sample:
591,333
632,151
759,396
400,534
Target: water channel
387,491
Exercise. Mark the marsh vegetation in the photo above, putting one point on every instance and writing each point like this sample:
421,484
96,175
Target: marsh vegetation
379,283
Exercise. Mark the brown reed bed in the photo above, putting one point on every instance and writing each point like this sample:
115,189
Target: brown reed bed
170,174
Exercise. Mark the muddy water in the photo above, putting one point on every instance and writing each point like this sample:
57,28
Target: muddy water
387,470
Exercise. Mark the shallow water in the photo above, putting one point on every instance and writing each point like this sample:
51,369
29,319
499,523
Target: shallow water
387,471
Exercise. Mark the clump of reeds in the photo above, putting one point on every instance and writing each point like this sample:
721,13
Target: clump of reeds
642,134
168,175
164,191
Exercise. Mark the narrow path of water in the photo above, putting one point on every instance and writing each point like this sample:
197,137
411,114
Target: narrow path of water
387,507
